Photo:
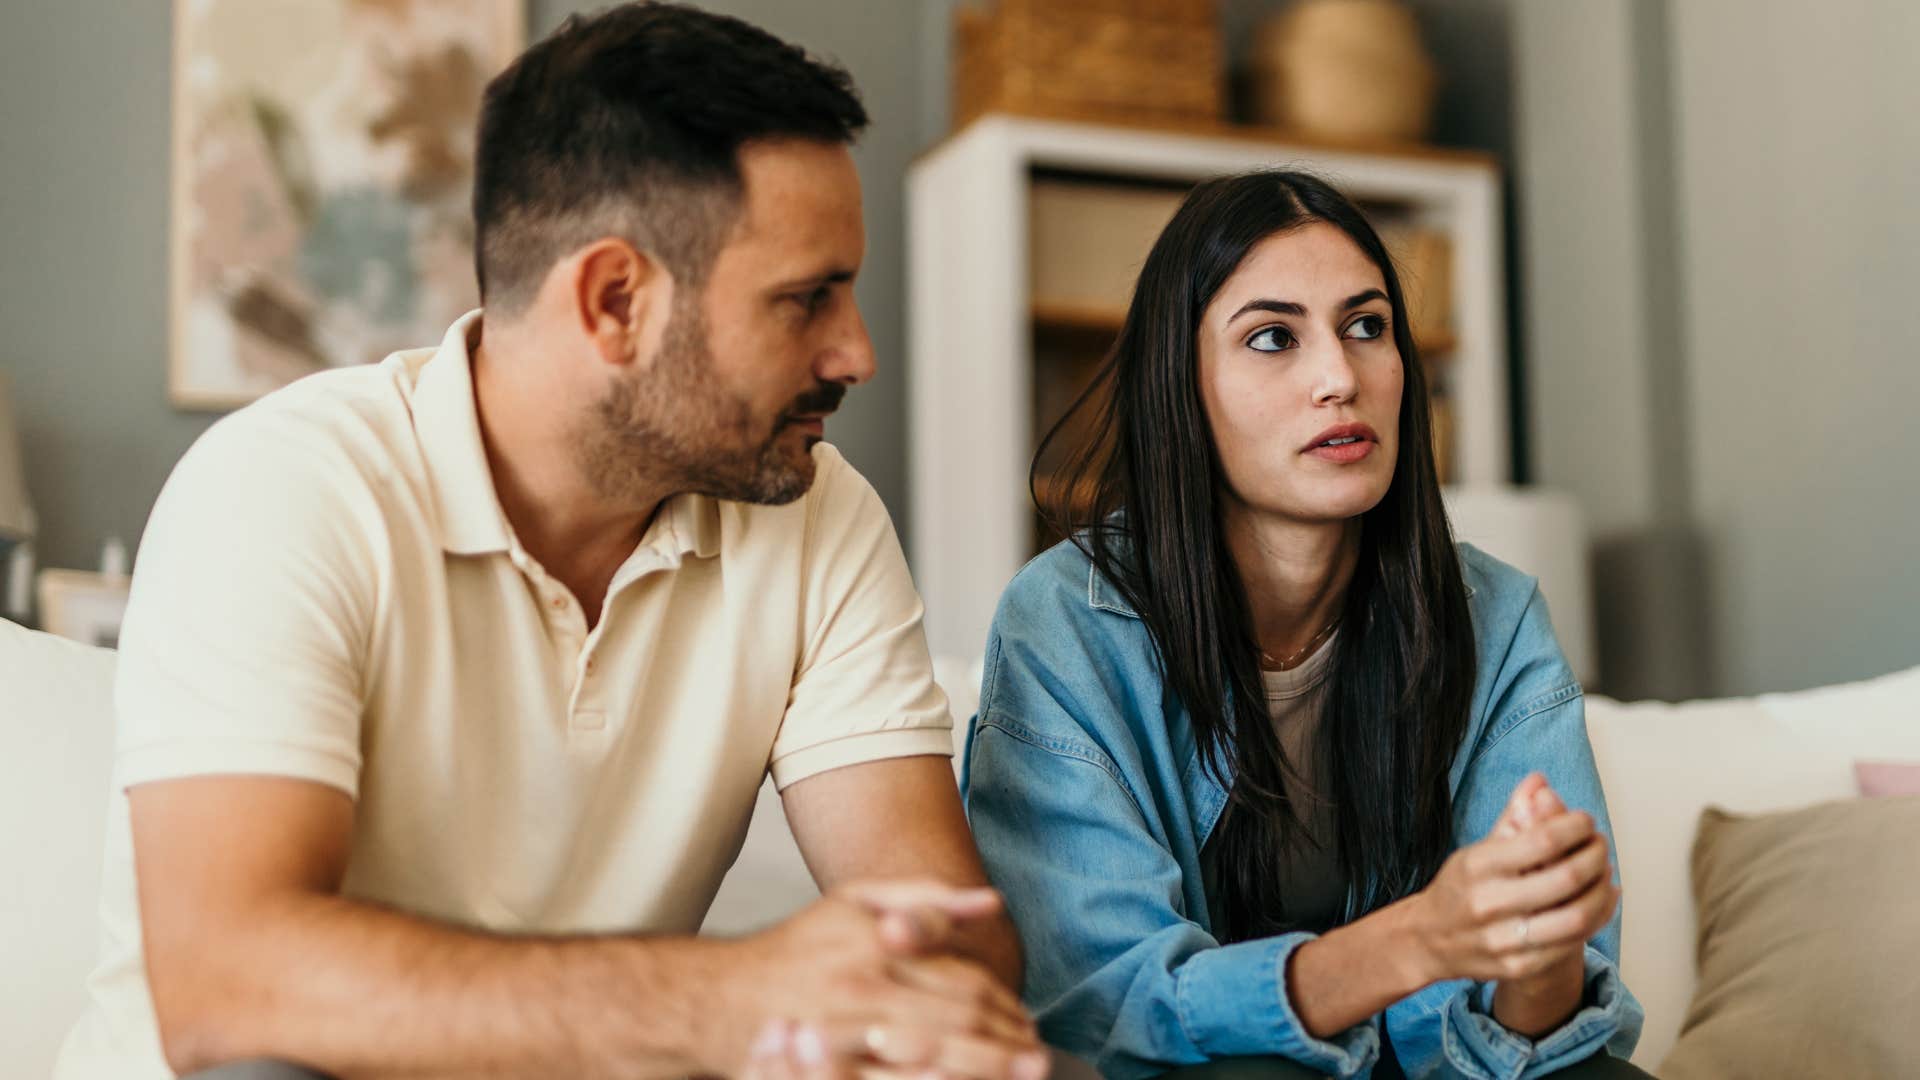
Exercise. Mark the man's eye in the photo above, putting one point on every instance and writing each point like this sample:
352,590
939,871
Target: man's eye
1272,339
812,300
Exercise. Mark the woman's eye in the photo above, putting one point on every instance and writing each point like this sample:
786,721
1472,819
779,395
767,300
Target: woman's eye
812,300
1367,327
1272,339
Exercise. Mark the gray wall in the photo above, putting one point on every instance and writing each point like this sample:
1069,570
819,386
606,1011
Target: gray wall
84,117
1717,235
1798,161
83,265
84,88
1723,237
1592,159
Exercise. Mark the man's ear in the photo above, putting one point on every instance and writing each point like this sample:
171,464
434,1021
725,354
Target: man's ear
621,299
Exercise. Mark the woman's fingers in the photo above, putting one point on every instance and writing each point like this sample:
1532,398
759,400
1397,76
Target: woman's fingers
1519,812
1540,844
1576,921
1553,884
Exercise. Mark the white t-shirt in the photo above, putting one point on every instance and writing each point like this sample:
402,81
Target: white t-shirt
328,590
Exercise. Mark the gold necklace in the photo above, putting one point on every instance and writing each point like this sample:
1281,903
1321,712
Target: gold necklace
1268,661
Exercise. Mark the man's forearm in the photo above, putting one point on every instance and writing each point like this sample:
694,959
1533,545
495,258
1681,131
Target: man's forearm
360,991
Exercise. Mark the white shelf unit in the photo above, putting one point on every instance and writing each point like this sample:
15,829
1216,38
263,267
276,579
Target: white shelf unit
971,331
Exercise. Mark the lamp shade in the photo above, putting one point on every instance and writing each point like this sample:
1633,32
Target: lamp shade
1541,533
16,512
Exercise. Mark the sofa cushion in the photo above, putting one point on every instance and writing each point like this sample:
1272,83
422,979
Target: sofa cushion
1663,764
56,724
1885,779
1808,940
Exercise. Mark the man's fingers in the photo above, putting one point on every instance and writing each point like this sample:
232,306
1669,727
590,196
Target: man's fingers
956,902
913,931
814,1057
919,916
909,1005
963,981
768,1056
965,1057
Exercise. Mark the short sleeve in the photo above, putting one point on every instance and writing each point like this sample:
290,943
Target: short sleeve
863,689
247,628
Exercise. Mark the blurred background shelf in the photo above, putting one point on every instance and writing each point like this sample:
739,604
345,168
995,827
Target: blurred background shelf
1024,237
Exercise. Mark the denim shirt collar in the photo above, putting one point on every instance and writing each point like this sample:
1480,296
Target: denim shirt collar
1102,595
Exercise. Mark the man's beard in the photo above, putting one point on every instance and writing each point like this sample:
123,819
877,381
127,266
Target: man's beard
674,426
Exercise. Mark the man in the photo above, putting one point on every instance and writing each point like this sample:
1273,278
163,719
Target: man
447,684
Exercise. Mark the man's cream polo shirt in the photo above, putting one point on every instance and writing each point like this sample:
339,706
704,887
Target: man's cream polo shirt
329,590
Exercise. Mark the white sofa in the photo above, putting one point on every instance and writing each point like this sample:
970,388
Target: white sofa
1660,764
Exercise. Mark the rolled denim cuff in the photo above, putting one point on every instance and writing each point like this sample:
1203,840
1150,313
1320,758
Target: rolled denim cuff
1478,1046
1233,1002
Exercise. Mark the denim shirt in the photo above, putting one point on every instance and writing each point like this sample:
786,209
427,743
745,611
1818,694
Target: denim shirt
1088,798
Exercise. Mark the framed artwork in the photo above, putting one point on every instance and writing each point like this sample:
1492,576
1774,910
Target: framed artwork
321,176
83,606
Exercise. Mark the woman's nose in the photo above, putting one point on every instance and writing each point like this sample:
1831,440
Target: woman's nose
1334,381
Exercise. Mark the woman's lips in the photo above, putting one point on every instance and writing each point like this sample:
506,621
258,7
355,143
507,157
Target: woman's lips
1346,453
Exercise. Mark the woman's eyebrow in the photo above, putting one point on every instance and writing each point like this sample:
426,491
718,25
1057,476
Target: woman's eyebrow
1278,307
1288,307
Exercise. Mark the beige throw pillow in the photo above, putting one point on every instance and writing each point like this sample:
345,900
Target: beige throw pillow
1809,946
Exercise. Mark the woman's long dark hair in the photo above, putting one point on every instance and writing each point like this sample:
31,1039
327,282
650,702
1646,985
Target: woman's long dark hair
1140,492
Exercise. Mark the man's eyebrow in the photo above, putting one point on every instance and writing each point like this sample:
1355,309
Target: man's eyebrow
835,276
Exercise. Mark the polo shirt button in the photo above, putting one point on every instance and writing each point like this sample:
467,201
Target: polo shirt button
559,601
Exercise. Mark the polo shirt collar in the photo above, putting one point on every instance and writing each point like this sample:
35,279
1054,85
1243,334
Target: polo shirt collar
470,519
448,425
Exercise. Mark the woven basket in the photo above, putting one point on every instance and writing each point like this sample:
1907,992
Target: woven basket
1117,61
1343,69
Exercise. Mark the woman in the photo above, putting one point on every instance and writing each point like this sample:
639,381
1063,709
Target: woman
1265,764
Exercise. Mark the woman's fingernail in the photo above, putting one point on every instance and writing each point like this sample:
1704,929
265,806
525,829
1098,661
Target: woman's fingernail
1030,1067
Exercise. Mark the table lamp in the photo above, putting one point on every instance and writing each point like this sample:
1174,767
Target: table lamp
1540,532
17,523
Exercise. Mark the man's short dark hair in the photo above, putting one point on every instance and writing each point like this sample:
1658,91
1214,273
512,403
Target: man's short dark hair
628,123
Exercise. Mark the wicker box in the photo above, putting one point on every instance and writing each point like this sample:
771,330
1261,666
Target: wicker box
1424,258
1117,61
1087,242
